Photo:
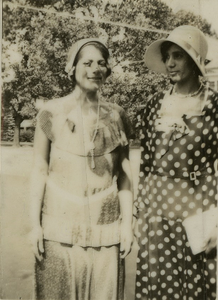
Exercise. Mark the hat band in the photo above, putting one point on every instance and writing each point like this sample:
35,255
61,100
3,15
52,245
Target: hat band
190,50
71,62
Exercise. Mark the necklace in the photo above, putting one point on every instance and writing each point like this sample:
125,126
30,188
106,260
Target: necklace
92,145
188,95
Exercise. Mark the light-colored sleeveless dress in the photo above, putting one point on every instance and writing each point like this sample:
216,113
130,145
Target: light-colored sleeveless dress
81,212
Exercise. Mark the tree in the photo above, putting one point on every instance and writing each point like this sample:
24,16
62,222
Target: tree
16,94
28,76
181,19
41,38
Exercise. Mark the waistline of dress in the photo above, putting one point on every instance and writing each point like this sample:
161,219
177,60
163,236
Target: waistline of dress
62,231
81,200
192,176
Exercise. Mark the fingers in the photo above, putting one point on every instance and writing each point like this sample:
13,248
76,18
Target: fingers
208,249
126,241
38,254
125,253
125,248
36,242
38,249
41,246
211,244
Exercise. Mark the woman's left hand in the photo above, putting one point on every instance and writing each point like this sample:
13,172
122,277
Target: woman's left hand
211,242
126,239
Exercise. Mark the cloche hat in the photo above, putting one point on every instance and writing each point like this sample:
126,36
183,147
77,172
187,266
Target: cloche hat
189,38
75,49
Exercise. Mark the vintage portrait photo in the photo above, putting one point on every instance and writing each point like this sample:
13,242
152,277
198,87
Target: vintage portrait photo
109,150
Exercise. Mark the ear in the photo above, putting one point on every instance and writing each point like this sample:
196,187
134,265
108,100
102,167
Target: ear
71,72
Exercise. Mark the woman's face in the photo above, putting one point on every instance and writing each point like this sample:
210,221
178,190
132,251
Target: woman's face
178,65
91,69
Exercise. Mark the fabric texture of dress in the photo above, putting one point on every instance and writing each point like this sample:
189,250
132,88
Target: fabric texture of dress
81,206
176,180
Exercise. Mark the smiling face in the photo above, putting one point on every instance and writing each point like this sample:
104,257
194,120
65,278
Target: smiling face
91,69
178,64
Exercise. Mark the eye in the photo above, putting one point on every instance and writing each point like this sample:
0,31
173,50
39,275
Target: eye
102,63
87,64
166,57
178,55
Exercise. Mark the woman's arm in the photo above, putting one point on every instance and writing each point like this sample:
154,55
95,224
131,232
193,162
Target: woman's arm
37,187
126,202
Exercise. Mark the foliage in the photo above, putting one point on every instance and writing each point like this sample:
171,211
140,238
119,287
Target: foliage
8,128
27,136
35,45
182,16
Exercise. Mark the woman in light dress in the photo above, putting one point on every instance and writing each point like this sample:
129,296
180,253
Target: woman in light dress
81,192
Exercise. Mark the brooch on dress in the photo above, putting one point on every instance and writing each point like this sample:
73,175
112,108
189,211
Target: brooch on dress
71,125
172,124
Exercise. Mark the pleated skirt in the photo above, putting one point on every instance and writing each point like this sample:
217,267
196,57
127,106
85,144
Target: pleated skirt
79,273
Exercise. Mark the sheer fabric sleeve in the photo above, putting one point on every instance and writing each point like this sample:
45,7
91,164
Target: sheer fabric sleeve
44,121
127,125
141,127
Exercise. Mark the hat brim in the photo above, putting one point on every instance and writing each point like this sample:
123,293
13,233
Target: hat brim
153,57
154,61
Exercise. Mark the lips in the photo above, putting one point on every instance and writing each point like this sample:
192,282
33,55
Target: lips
172,73
94,78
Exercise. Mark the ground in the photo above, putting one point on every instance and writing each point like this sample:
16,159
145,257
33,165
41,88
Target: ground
17,260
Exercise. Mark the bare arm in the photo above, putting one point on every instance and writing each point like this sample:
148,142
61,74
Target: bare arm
126,203
37,187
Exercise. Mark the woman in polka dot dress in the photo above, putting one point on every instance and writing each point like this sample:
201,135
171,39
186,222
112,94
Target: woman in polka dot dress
179,134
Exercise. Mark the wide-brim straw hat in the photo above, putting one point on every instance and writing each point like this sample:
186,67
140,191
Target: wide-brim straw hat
189,38
75,49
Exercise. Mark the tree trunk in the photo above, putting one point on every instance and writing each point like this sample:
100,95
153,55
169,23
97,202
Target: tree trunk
16,140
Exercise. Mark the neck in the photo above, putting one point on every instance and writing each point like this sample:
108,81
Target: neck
189,87
85,98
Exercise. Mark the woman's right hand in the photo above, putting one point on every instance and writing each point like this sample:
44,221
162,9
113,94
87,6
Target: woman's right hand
36,241
211,242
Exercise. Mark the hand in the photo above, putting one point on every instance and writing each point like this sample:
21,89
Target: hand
135,222
126,240
36,241
135,227
211,242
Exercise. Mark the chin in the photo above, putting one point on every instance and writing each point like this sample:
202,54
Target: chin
90,88
175,80
93,89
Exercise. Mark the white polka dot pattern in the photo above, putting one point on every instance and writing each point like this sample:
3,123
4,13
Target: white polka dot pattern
176,181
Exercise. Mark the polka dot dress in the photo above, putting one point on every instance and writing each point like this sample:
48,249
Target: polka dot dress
177,180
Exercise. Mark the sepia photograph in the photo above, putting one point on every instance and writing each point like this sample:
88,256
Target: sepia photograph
109,150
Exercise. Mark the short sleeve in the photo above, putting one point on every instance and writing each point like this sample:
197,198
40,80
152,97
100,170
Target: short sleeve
140,122
44,121
144,114
127,125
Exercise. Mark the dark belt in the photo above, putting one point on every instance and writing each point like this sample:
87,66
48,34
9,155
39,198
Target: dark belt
184,175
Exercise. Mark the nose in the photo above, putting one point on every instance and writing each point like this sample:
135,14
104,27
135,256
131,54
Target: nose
95,67
170,62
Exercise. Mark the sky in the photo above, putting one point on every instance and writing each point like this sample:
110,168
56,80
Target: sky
208,9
